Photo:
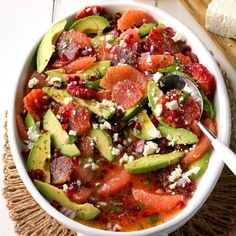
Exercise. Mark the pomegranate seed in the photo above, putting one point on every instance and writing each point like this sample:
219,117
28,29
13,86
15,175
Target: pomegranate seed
36,174
138,125
128,38
144,47
43,131
154,120
179,147
69,79
193,57
186,48
24,112
55,204
120,140
92,78
63,57
131,124
56,153
118,15
79,92
114,129
75,160
180,205
65,126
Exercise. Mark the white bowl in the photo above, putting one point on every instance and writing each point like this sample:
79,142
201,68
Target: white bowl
206,183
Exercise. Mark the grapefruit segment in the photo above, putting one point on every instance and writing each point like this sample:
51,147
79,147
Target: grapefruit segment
133,18
153,62
126,94
119,73
130,36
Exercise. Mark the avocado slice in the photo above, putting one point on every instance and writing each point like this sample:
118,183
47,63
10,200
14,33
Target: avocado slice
91,25
148,130
103,142
153,162
84,211
154,96
98,69
59,136
145,29
39,156
131,112
30,122
93,84
59,95
202,164
181,135
47,45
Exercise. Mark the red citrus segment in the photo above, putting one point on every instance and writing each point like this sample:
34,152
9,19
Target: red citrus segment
156,203
80,195
114,181
103,94
115,74
126,94
153,62
36,103
85,146
184,114
79,117
204,79
21,129
82,63
41,80
202,146
195,129
89,11
130,36
133,18
161,39
185,60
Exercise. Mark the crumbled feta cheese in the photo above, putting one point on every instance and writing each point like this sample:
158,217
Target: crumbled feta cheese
150,148
115,151
149,60
172,140
105,125
157,76
175,174
95,126
108,104
123,44
78,182
115,137
155,133
32,134
126,158
55,81
172,105
179,36
73,132
32,82
172,186
58,117
158,109
187,174
100,203
67,100
94,166
65,187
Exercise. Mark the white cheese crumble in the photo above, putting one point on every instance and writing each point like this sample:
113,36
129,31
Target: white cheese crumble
155,133
32,134
187,174
172,140
32,82
179,36
92,165
73,132
78,182
126,158
175,174
150,148
55,81
172,105
158,109
157,76
95,126
105,125
115,137
65,187
115,151
68,100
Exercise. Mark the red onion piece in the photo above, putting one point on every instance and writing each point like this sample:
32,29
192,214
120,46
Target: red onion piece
139,146
67,212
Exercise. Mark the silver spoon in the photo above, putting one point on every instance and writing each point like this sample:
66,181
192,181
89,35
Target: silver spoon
170,82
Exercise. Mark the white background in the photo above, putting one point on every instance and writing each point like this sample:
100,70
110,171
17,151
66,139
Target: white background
23,21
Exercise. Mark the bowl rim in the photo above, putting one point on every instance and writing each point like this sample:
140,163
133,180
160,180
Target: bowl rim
166,227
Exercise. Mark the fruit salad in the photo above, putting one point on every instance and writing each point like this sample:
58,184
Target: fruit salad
101,141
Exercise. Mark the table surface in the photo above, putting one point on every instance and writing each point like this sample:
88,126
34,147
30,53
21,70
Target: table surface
28,19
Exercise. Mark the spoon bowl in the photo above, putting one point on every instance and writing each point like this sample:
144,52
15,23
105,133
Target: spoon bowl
170,82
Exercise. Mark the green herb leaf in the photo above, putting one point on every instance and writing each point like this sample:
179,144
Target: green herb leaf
153,220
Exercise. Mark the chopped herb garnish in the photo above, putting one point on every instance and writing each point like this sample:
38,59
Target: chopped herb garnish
140,206
153,220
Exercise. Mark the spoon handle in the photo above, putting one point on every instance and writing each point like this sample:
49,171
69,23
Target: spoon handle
228,156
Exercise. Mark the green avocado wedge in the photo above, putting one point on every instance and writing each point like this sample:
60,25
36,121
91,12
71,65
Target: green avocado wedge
84,211
91,25
103,142
60,96
40,155
59,136
202,164
47,45
30,122
153,162
181,135
98,69
145,29
148,130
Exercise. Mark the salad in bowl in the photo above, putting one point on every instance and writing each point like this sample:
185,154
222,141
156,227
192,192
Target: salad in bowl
101,141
